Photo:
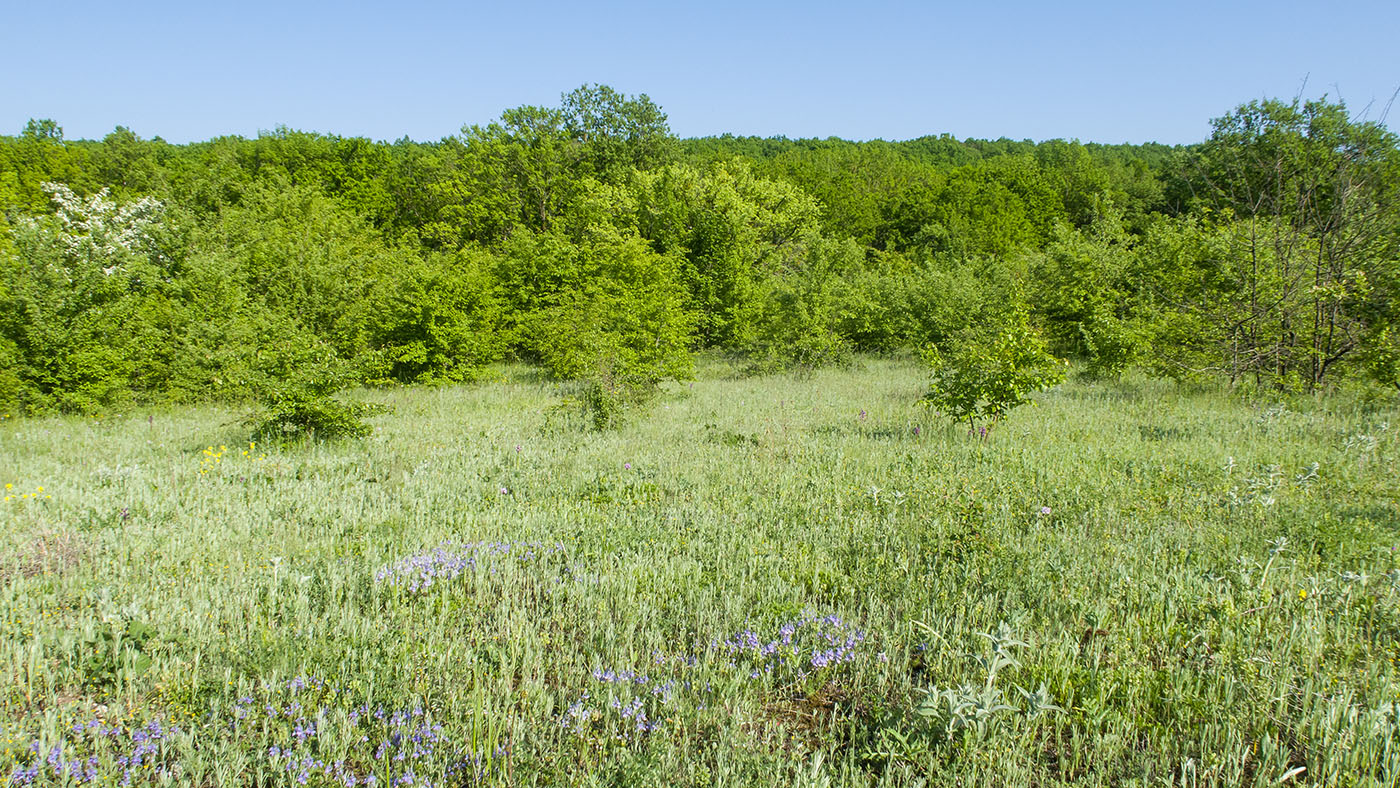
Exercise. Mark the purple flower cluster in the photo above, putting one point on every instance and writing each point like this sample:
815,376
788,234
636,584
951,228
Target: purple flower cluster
297,727
382,747
94,751
450,561
802,647
644,683
805,645
629,718
635,702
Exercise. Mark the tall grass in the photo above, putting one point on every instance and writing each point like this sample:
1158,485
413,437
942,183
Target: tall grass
780,580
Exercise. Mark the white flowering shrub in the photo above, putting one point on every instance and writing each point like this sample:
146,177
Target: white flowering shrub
99,231
80,322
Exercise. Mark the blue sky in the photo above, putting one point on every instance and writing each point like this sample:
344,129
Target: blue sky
1105,72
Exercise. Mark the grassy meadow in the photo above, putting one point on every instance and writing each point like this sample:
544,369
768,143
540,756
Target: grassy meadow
787,580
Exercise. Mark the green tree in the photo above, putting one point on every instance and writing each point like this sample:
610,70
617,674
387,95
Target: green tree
1311,196
1084,289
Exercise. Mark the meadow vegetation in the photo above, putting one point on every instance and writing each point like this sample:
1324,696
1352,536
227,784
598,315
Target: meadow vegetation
796,579
563,451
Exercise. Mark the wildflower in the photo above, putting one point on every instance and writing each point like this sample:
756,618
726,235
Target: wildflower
1044,511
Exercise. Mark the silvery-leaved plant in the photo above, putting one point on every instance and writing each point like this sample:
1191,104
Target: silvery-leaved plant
1276,548
1356,578
1038,702
967,707
1258,490
1359,445
1308,476
972,706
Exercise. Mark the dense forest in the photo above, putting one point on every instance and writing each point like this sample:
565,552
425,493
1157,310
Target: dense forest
589,239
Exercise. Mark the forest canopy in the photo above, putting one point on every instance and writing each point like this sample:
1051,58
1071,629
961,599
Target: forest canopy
590,240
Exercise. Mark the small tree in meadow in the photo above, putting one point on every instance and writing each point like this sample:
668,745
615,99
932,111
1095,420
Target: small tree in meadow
983,377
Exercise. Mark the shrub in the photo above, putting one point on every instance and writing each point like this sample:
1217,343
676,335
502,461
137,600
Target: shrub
795,315
983,378
297,402
608,313
1111,346
297,412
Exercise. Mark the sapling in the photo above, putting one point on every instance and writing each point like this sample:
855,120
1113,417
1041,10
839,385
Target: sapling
982,379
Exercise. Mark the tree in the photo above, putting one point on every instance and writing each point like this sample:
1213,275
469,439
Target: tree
618,133
1082,288
1310,195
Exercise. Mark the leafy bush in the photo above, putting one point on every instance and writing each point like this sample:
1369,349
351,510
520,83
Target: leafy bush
794,319
793,328
608,312
1084,292
983,378
436,320
1111,344
296,412
297,402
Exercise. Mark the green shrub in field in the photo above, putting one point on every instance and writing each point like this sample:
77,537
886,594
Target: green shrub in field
296,402
794,326
983,378
294,412
607,311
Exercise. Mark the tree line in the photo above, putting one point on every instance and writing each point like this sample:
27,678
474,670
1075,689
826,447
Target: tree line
589,239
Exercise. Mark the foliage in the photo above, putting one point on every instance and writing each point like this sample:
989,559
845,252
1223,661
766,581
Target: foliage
984,377
586,237
298,400
291,412
438,319
1306,194
795,320
114,651
76,293
1085,291
608,312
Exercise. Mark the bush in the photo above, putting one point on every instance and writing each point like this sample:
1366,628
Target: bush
794,317
984,378
1111,346
608,313
296,400
296,412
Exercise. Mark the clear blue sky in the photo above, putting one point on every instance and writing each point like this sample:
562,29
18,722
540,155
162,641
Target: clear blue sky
1107,72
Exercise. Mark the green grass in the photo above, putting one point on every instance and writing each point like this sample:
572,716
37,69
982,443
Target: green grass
1180,643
